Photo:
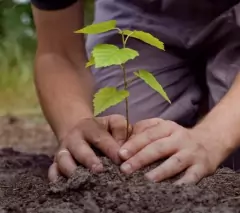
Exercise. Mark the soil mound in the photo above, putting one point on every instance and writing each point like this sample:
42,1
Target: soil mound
24,188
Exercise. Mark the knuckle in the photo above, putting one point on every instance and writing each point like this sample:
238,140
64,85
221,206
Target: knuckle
181,133
192,156
154,121
158,149
151,135
137,128
109,150
117,117
171,123
103,121
76,144
196,176
203,156
138,163
178,159
200,147
117,121
97,140
60,156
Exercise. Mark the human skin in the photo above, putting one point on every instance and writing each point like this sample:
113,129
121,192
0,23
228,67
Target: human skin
65,88
198,151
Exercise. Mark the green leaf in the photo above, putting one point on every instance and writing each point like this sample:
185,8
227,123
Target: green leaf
91,62
100,27
107,55
107,97
150,80
145,37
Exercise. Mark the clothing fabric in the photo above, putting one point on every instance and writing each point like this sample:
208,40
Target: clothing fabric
201,61
52,4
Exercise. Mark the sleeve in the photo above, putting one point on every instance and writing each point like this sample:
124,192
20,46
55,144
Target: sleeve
52,4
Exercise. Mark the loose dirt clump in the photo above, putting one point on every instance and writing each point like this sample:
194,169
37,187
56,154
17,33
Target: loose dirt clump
24,188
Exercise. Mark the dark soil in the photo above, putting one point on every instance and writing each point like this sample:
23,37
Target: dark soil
24,188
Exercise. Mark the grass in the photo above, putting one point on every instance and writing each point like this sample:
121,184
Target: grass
17,91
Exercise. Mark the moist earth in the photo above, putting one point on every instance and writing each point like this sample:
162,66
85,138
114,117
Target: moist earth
24,187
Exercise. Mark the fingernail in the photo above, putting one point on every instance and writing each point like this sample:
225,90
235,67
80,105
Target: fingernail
97,168
126,168
151,177
124,153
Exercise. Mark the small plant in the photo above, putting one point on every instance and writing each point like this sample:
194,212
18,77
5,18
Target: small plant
104,55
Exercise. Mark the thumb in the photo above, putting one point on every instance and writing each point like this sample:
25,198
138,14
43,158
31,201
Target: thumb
119,128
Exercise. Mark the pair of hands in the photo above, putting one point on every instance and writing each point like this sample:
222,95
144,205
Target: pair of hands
189,150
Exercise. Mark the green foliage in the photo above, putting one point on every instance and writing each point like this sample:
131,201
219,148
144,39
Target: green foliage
145,37
107,97
88,12
98,27
17,50
150,80
107,55
91,62
104,55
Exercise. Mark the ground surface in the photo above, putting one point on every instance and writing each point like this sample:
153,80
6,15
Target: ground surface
24,186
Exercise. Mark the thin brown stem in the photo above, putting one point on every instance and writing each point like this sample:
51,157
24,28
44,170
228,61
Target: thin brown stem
125,86
126,99
125,41
132,80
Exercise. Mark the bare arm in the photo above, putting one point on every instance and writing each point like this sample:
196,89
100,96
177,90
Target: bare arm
65,89
223,122
63,84
197,151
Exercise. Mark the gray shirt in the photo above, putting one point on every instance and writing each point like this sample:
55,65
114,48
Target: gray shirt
201,61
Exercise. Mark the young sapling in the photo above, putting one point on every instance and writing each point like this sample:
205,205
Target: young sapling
105,55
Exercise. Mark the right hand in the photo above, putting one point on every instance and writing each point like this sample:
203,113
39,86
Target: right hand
105,133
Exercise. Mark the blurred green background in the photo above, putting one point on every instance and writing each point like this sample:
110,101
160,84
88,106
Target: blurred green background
17,49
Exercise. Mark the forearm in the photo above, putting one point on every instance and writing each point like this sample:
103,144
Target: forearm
63,83
64,92
223,122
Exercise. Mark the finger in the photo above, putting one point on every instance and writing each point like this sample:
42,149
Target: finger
83,154
170,168
139,141
53,172
102,140
118,127
141,126
151,153
65,162
192,175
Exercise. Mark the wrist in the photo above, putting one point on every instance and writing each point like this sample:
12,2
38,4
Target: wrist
67,120
217,141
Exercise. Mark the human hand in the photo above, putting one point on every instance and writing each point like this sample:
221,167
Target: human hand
191,150
105,133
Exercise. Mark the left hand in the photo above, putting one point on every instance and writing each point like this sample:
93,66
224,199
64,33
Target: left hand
192,150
